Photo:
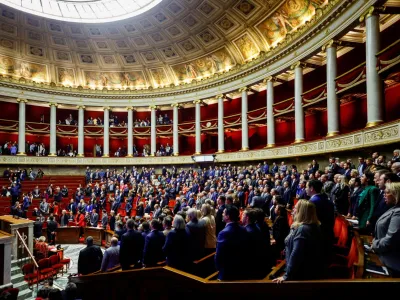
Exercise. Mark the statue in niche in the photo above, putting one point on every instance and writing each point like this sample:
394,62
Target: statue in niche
190,71
66,75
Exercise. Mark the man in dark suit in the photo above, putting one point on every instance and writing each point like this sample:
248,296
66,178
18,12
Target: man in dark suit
37,228
197,233
51,230
361,166
258,246
131,248
154,242
94,218
72,207
90,258
258,201
232,243
219,221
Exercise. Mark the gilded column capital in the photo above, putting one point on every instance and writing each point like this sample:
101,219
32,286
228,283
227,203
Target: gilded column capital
53,104
80,107
198,101
152,106
243,89
373,10
220,96
298,64
270,78
175,105
106,108
331,44
129,108
22,100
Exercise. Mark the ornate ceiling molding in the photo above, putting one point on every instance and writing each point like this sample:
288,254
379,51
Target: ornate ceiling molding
337,16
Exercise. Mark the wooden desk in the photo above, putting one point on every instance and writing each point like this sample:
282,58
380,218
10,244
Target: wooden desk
372,258
96,233
108,234
9,224
67,235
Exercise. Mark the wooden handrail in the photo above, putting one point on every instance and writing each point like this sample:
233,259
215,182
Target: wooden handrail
275,270
27,249
355,68
204,258
387,48
211,276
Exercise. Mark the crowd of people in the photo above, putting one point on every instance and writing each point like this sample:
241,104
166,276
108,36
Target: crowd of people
223,209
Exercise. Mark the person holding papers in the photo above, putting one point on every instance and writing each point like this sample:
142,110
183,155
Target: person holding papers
387,231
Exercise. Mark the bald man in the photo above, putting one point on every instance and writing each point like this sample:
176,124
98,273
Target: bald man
111,256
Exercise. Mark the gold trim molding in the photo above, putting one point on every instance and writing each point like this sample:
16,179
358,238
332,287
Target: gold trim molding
384,134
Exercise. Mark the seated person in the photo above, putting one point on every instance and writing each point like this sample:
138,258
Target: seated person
42,248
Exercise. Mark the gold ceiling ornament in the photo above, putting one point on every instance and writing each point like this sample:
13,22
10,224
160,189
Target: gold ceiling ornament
298,64
330,44
270,78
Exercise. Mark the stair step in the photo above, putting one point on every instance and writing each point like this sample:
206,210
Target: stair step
15,270
17,278
23,285
19,262
25,294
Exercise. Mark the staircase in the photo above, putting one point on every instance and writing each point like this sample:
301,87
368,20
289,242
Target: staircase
17,279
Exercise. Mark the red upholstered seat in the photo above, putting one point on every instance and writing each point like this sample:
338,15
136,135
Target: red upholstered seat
45,269
13,292
55,264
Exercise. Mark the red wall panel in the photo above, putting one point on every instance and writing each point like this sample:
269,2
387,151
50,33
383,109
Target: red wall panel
34,113
353,115
9,111
284,132
392,103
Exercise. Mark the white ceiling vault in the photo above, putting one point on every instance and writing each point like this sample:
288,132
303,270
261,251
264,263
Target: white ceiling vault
85,11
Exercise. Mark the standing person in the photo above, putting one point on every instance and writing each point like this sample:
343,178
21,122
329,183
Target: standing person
280,230
111,256
131,248
209,221
51,230
304,245
154,242
387,230
219,220
37,228
64,219
90,258
366,200
104,219
231,244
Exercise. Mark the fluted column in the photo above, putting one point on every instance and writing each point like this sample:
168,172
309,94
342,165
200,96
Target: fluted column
21,126
53,129
153,139
81,133
298,101
332,101
198,127
270,112
221,131
374,84
130,131
245,126
106,133
175,137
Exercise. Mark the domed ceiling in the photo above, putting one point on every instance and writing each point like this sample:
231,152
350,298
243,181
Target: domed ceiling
174,42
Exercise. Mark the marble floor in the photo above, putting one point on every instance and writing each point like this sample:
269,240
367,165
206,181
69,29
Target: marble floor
72,252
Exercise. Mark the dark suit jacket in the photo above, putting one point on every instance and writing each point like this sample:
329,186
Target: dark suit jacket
131,249
153,253
232,244
197,234
177,249
280,230
89,260
37,229
219,221
258,202
259,253
94,219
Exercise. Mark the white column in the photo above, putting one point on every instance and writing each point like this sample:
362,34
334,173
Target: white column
81,133
175,132
270,112
21,126
221,130
106,134
130,131
30,237
298,101
53,129
153,139
332,101
198,127
374,83
245,126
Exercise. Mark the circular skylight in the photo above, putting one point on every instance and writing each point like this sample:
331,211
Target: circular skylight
83,11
